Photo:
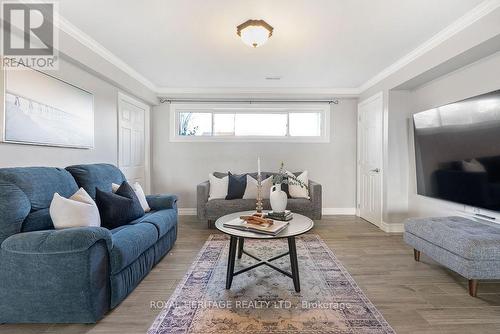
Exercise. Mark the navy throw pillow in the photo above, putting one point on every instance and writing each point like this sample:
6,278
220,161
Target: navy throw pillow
119,208
237,185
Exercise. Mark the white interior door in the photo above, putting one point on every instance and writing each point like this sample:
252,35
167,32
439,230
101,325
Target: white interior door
370,139
133,140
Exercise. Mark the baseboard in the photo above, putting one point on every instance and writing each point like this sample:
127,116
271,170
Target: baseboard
392,228
325,211
338,211
187,211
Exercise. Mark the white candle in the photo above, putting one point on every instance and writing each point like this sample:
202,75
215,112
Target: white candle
258,165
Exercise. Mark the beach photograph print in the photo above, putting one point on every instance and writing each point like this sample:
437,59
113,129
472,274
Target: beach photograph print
43,110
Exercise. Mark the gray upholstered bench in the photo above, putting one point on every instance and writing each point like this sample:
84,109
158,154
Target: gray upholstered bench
467,247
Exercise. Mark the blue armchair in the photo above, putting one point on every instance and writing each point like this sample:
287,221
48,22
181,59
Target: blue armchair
73,275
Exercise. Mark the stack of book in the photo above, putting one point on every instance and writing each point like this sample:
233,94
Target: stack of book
286,215
270,228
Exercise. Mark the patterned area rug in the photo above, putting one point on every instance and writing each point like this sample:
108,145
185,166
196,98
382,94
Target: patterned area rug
263,300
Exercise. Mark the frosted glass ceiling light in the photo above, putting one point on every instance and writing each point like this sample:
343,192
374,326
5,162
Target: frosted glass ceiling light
254,32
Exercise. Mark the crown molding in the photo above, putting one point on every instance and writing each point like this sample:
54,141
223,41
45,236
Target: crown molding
67,27
247,92
460,24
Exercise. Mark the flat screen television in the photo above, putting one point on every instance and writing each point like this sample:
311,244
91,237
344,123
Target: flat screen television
457,151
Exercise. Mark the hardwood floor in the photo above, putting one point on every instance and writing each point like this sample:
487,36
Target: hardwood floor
414,297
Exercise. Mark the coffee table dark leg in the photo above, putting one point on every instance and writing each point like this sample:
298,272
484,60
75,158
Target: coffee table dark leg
230,262
241,242
294,263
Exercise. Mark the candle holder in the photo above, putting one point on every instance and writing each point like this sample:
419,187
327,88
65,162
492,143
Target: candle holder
259,206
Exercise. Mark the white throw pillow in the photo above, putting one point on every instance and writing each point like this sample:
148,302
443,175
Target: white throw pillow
473,166
251,189
297,191
139,192
218,187
79,210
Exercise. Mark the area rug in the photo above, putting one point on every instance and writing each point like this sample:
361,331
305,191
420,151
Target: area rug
263,300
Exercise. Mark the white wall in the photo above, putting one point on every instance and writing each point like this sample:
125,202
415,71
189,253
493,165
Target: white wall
481,32
179,167
105,119
75,45
464,44
396,162
475,79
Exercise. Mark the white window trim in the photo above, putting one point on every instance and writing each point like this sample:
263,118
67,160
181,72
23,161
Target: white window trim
323,108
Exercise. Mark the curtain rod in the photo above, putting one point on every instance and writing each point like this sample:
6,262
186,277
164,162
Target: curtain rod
167,100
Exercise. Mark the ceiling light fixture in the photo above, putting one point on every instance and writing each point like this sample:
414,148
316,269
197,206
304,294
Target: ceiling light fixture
254,32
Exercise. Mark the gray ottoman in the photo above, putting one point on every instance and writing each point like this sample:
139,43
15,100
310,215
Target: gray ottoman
467,247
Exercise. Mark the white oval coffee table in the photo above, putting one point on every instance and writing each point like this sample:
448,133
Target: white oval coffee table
298,225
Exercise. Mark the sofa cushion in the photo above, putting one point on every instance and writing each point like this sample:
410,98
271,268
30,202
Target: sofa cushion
296,189
218,187
464,237
40,183
14,208
139,192
118,208
118,229
38,221
79,210
251,189
236,186
299,205
129,242
264,175
221,207
101,176
163,220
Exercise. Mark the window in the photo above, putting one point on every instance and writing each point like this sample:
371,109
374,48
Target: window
195,124
305,124
250,122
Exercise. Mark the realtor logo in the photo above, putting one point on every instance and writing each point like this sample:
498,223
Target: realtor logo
28,35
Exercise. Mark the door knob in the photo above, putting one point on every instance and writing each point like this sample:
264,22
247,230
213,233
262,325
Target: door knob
376,170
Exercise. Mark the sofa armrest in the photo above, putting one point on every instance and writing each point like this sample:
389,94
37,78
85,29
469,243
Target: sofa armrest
65,273
162,202
202,193
57,241
315,193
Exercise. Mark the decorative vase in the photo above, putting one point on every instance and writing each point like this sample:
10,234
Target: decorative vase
278,198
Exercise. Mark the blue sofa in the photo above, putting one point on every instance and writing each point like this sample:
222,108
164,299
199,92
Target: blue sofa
73,275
